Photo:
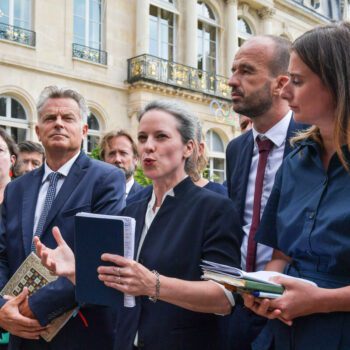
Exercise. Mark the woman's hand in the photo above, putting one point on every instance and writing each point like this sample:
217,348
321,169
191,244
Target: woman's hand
263,307
299,298
59,261
128,276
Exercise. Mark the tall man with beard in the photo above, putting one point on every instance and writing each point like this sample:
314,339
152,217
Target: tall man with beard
119,149
259,71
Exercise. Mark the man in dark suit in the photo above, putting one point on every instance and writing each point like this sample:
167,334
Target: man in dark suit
119,149
34,204
259,71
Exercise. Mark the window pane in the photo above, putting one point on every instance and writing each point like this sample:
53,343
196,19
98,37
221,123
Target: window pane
219,177
243,26
4,8
93,142
19,134
153,47
93,122
153,32
3,107
219,163
22,13
153,11
17,111
95,35
79,8
79,30
216,143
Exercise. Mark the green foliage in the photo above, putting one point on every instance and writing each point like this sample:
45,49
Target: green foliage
95,154
141,178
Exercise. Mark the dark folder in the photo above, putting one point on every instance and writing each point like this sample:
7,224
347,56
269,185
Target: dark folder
93,237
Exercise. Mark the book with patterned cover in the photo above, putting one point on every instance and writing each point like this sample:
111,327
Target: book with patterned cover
33,275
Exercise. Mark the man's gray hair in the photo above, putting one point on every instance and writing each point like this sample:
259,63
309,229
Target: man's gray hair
187,125
63,92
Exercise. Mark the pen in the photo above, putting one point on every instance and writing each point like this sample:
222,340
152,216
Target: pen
265,295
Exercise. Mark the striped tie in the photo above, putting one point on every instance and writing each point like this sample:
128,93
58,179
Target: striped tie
50,196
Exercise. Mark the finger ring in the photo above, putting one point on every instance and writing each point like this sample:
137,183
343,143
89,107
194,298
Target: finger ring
119,279
118,271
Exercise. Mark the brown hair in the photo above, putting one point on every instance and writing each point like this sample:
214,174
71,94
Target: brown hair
325,50
111,135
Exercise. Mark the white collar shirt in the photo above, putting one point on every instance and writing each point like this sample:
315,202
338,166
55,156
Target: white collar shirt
64,170
277,134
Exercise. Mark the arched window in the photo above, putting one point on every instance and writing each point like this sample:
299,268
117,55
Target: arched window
244,31
162,32
13,118
207,38
216,165
94,133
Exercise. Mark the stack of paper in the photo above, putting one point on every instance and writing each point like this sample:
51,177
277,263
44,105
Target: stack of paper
245,282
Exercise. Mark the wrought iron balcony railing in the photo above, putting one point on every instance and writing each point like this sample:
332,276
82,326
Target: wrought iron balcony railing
17,34
155,69
89,54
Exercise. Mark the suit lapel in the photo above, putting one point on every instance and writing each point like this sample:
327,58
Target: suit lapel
245,162
30,198
140,222
70,184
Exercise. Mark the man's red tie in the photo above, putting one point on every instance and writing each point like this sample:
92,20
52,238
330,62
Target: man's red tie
265,147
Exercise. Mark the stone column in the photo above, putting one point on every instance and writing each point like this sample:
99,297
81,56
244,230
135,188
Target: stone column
266,14
191,33
142,27
231,35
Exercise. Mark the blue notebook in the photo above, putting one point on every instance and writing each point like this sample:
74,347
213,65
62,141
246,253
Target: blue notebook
94,235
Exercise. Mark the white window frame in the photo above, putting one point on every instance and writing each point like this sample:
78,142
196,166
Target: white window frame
215,24
169,8
92,132
244,35
11,15
8,122
87,25
212,155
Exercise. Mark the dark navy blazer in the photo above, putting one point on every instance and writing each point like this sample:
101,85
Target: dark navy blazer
136,187
195,224
91,186
245,325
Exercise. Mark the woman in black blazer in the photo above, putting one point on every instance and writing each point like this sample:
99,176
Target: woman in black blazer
177,226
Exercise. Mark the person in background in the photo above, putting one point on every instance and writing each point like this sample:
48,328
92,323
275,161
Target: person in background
259,72
306,220
31,155
177,226
119,149
245,123
8,155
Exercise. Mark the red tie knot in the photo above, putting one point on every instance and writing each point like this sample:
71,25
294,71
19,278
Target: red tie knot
264,145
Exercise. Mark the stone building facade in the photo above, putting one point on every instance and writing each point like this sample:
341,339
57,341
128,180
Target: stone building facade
121,54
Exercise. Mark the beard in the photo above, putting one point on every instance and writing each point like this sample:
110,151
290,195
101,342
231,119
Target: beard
256,104
127,172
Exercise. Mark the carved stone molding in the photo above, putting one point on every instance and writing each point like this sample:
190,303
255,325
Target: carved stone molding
266,12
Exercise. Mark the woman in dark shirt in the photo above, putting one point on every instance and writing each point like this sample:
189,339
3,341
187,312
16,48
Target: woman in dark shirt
177,225
307,218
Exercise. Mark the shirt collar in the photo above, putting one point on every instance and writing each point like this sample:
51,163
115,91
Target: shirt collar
64,169
278,133
129,184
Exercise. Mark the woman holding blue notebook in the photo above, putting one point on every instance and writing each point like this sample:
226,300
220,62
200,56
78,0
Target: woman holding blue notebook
177,226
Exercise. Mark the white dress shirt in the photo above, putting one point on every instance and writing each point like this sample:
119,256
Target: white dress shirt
64,170
277,134
128,186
